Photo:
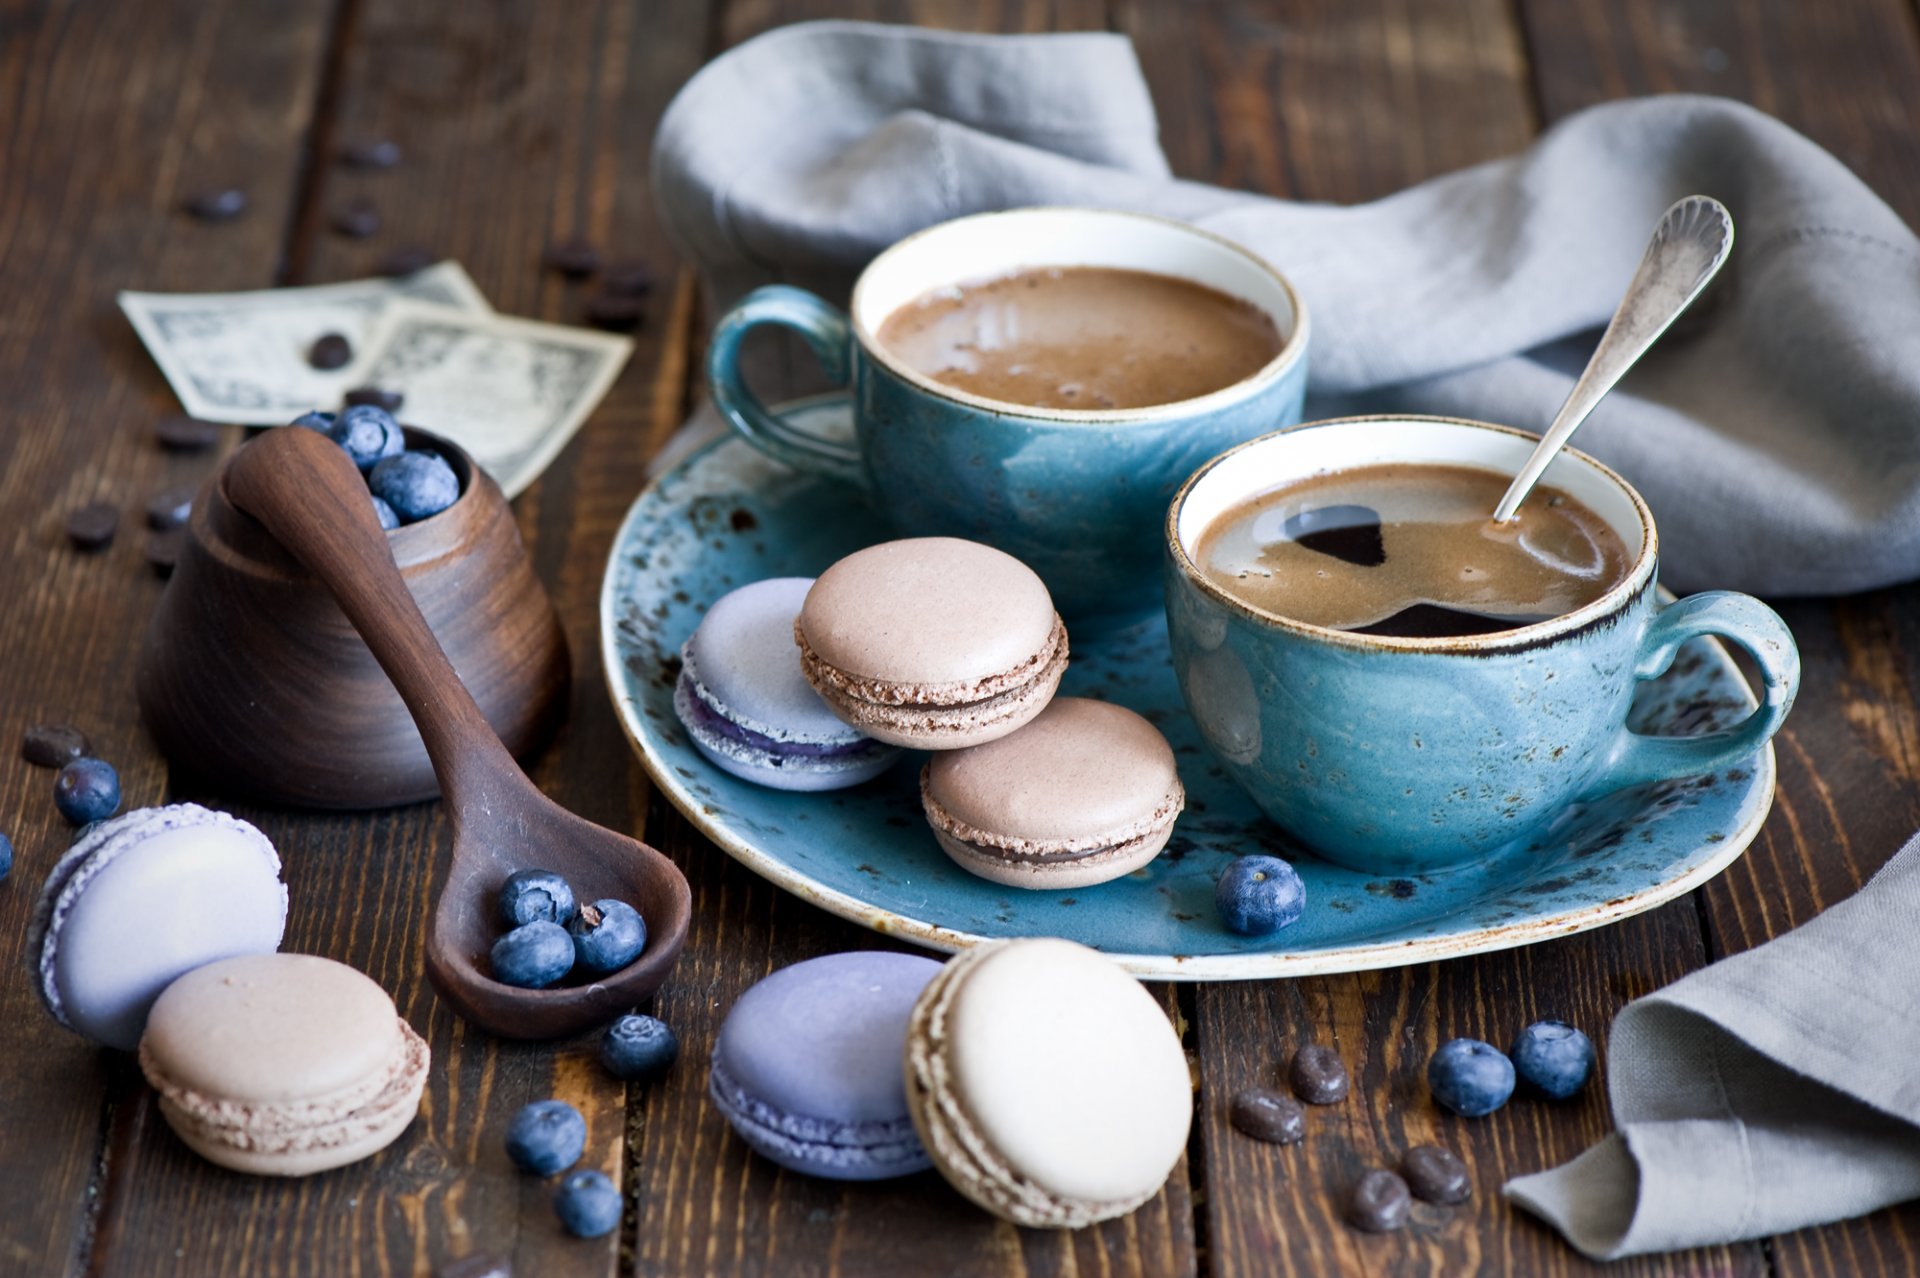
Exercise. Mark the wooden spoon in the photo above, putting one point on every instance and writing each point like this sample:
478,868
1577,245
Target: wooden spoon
306,491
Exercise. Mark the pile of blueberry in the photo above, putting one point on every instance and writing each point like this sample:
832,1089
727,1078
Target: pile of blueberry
549,936
408,484
1473,1078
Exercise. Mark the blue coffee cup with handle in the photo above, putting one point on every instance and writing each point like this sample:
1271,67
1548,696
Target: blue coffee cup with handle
1394,755
1078,495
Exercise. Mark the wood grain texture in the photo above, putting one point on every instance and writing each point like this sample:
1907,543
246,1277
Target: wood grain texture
112,116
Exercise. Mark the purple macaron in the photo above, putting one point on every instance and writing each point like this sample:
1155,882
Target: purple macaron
749,709
808,1066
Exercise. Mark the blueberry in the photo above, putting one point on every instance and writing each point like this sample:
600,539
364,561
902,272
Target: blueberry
384,513
588,1205
1470,1077
534,956
639,1048
322,422
1554,1058
6,868
1258,895
532,896
416,484
368,434
607,936
87,790
546,1137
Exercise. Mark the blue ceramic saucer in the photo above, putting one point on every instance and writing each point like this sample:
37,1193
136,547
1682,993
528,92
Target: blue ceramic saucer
724,516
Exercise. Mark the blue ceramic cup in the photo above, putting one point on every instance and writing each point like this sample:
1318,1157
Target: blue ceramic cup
1079,496
1395,756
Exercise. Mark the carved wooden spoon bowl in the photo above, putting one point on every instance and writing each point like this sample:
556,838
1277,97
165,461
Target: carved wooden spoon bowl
306,492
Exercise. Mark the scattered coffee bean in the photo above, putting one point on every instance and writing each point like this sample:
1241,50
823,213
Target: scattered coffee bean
163,549
91,527
575,259
406,261
1318,1075
1380,1203
1264,1114
217,206
171,508
389,400
478,1265
356,221
53,745
1436,1175
616,311
182,434
330,351
371,153
627,279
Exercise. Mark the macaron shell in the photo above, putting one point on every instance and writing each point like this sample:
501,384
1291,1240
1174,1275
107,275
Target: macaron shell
929,611
742,661
144,898
1089,870
793,772
967,723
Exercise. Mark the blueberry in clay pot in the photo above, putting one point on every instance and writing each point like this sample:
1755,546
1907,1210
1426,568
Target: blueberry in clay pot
316,420
384,513
1259,895
87,790
369,435
1470,1077
535,896
1553,1058
607,936
534,956
588,1205
639,1048
546,1137
416,484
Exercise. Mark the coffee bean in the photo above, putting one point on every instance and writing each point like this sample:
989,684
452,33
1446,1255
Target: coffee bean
91,527
616,311
163,549
217,206
575,259
389,400
1318,1075
53,745
1380,1203
406,261
478,1265
330,351
182,434
371,153
356,221
170,509
1264,1114
627,279
1436,1175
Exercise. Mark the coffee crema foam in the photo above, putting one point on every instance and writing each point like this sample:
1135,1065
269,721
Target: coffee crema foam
1411,550
1082,337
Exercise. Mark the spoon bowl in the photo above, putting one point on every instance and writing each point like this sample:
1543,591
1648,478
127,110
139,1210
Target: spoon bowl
308,495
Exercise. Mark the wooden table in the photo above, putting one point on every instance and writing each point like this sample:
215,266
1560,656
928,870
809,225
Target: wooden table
525,121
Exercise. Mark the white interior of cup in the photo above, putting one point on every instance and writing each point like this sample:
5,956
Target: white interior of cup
990,245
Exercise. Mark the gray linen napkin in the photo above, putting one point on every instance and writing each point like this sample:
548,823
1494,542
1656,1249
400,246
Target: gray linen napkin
1773,1090
1775,431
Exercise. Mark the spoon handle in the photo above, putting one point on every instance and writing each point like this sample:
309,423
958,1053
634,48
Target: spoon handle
1688,248
306,491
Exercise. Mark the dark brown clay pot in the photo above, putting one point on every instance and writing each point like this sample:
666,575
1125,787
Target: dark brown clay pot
252,680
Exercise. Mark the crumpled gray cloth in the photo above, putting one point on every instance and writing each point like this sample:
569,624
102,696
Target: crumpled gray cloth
1773,1090
1775,430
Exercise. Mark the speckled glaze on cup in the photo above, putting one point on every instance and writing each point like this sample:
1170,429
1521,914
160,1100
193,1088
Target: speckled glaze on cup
1394,755
1078,496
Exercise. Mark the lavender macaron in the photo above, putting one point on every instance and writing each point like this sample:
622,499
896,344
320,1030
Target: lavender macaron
807,1066
749,709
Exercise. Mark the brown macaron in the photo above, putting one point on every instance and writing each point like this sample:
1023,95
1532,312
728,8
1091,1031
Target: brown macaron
933,643
1085,793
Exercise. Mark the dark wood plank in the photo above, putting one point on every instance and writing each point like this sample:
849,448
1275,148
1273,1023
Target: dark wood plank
521,123
112,117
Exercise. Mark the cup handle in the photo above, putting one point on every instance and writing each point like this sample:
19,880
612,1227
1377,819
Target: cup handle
828,332
1638,758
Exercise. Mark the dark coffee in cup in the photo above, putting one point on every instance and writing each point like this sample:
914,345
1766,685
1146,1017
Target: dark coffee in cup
1082,337
1411,550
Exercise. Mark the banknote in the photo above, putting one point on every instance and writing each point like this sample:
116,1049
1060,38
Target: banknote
510,391
242,357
